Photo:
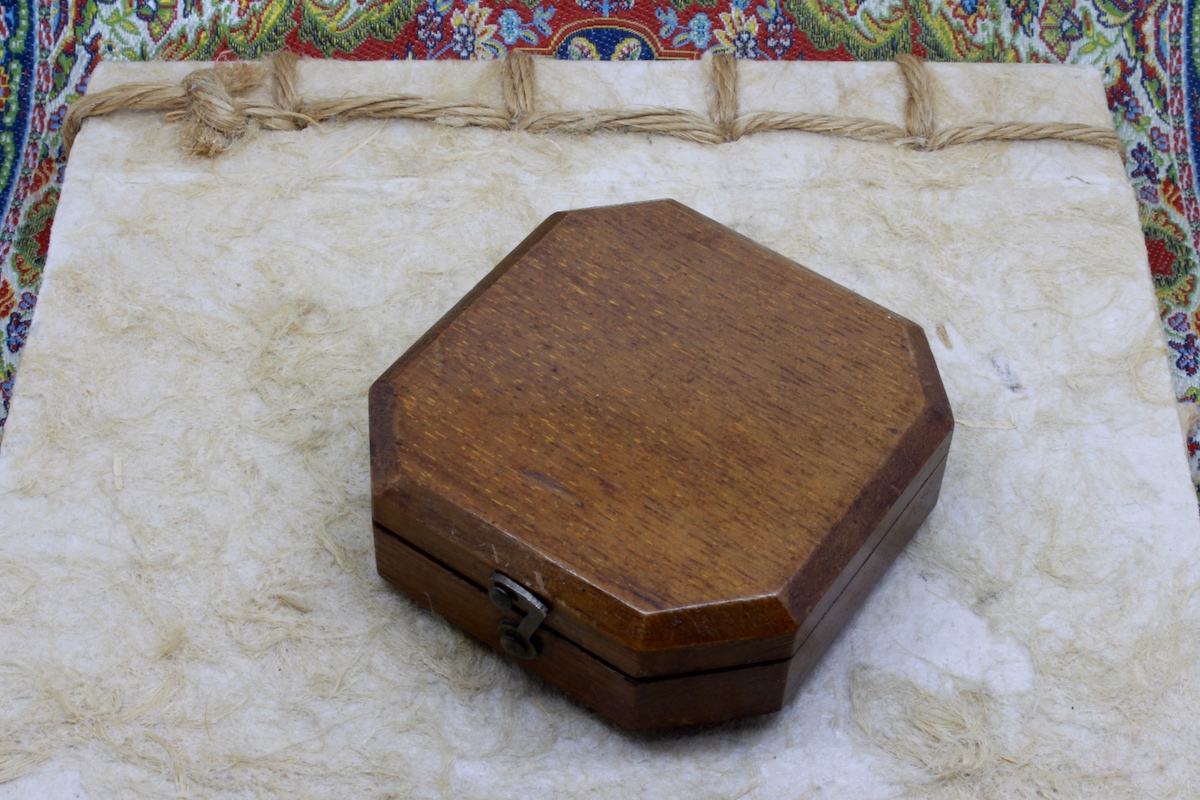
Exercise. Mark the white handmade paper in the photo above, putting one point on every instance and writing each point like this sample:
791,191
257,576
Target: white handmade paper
188,599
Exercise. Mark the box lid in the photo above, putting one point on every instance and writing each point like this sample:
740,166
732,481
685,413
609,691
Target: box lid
682,442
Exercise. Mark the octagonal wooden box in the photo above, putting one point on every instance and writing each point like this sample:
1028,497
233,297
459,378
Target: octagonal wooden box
657,463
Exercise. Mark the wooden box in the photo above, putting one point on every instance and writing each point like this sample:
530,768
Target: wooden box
656,462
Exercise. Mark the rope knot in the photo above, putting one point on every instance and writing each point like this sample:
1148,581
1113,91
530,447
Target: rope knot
214,113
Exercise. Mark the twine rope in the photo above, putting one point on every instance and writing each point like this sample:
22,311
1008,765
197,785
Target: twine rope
215,109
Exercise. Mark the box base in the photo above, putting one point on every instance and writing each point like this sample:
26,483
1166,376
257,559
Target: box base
649,703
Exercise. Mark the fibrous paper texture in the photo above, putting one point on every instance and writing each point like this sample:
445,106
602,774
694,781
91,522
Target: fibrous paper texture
189,605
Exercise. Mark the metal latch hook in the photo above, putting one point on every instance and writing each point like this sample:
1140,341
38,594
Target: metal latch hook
507,595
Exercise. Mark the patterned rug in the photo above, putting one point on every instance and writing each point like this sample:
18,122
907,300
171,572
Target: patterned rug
1144,48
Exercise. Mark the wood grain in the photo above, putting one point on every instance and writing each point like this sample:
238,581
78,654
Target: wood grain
687,444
